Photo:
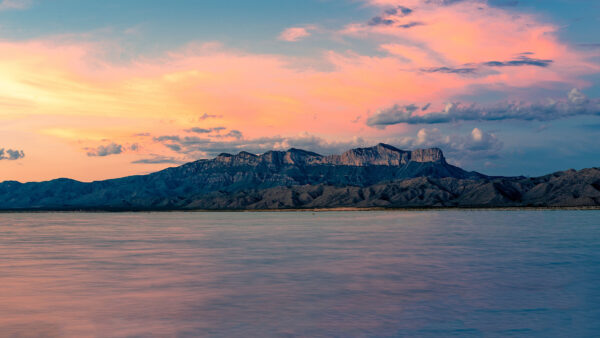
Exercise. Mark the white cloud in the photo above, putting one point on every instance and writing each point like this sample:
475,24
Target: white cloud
477,135
478,144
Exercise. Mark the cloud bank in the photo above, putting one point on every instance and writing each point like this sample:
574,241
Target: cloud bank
575,104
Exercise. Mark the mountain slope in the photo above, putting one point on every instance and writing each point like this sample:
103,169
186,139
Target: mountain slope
562,189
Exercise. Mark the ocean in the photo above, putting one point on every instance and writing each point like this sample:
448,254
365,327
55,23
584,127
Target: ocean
467,273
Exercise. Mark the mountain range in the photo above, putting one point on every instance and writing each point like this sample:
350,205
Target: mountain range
379,176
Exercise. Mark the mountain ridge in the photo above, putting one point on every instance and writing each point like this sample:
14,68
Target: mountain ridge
378,176
381,154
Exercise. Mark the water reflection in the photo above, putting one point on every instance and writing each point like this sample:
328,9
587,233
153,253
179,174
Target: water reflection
300,274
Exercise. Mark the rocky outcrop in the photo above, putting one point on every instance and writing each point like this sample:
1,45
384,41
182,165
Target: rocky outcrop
379,155
427,155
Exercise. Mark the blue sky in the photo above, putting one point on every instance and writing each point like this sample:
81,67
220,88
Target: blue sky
161,25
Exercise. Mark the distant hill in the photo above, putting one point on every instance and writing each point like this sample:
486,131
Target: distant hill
379,176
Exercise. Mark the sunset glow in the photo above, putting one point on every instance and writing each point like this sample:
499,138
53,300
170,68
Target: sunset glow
83,104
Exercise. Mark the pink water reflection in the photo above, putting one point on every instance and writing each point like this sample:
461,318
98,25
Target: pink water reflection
295,274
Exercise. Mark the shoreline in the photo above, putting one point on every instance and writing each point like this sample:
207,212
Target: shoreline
313,210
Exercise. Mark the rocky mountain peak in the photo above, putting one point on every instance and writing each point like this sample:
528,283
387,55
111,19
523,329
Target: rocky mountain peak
302,157
427,155
381,154
242,158
245,154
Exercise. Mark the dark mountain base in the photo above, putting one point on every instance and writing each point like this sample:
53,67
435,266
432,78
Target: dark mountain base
562,189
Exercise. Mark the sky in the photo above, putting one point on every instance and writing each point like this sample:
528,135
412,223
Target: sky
93,90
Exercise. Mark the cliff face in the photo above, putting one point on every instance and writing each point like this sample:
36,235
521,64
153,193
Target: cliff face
427,155
379,155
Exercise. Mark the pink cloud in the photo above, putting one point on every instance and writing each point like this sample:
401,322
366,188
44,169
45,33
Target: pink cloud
294,34
469,33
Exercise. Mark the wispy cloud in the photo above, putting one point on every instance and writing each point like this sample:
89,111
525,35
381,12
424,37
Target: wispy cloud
158,159
521,61
471,68
294,34
198,130
449,70
206,116
216,132
392,17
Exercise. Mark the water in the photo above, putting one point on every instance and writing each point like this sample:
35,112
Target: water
287,274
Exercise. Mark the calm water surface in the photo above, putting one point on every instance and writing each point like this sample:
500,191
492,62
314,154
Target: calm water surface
340,274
